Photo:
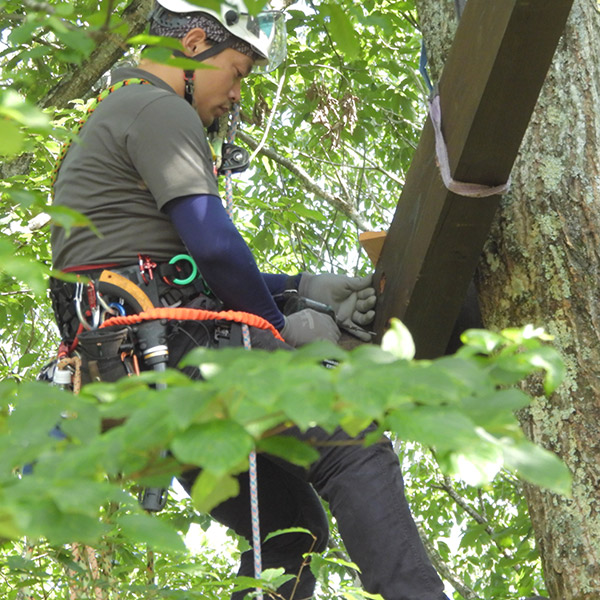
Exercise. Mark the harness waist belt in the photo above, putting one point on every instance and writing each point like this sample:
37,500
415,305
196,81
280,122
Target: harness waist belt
157,284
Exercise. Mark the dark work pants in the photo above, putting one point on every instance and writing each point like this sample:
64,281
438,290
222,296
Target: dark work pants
365,492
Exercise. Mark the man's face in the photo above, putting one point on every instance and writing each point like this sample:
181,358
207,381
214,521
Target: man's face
216,89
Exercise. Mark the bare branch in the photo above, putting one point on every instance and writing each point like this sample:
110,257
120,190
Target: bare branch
39,6
271,116
17,293
479,518
449,489
307,182
445,570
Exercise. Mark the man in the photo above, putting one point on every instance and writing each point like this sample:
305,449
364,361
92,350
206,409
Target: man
142,172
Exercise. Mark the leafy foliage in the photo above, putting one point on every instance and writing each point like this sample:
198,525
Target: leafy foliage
334,130
215,423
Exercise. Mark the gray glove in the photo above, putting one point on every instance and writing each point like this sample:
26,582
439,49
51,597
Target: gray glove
352,299
307,326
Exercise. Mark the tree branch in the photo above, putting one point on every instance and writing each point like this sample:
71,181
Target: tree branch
444,569
308,183
80,81
108,51
482,520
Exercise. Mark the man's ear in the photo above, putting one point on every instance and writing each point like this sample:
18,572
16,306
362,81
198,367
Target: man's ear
194,41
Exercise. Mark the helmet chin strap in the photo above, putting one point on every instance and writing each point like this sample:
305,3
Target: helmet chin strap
188,74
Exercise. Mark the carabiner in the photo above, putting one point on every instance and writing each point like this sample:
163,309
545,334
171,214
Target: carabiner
92,296
77,301
108,308
192,262
147,266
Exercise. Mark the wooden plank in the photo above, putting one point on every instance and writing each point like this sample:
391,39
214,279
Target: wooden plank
488,90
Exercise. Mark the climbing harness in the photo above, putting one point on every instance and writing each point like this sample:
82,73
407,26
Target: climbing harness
194,273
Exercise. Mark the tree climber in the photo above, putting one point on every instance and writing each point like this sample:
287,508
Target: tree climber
142,172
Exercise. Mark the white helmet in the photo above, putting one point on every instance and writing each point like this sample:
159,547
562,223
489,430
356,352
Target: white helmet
265,32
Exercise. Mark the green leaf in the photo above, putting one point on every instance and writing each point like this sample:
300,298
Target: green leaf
210,490
495,412
23,33
151,530
218,445
77,39
290,449
341,29
481,340
165,56
477,464
440,427
69,218
9,527
64,9
145,39
27,360
82,424
548,359
286,531
398,341
538,466
11,138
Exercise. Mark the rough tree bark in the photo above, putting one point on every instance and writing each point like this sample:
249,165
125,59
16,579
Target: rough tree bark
541,265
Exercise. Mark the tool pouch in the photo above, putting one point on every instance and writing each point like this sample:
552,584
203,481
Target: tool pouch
101,354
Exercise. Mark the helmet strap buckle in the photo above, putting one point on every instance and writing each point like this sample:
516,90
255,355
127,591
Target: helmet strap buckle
188,92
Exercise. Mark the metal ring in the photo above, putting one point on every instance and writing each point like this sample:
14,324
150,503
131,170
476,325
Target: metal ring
192,262
118,308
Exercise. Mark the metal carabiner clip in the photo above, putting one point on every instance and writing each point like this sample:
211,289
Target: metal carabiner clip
106,307
77,302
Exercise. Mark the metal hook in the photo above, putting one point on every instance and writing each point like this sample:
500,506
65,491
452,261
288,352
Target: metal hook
77,301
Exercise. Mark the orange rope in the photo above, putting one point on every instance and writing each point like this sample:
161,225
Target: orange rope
194,314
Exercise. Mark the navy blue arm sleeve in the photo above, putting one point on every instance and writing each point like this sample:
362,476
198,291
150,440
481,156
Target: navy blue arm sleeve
223,256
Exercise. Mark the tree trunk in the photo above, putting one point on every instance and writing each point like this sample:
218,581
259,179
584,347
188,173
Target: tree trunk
541,265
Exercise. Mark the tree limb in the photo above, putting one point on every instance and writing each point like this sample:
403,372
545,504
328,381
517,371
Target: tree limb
445,570
309,184
479,518
110,48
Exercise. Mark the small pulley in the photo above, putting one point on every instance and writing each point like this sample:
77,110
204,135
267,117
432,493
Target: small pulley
233,158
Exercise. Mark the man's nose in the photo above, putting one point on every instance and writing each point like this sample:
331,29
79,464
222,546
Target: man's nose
235,92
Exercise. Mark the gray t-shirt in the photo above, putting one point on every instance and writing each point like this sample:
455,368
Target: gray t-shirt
143,146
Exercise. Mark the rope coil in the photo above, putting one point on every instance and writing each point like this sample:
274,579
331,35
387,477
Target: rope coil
194,314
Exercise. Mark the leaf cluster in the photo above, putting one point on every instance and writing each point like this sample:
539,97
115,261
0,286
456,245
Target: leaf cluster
460,405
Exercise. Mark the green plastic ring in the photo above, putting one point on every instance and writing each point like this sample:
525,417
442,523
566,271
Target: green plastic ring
192,262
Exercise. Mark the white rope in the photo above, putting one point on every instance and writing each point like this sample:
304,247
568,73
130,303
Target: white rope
252,469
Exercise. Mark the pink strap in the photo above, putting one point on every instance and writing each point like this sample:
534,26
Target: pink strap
470,190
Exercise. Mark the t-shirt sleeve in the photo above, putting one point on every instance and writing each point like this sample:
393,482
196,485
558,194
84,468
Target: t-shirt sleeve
168,147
